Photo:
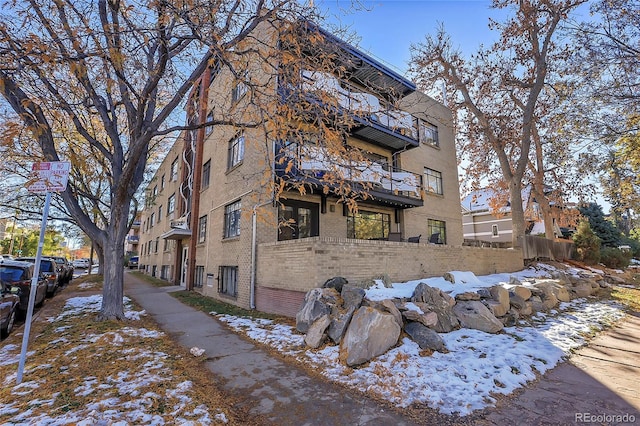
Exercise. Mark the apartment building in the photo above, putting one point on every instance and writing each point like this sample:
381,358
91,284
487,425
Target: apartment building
244,212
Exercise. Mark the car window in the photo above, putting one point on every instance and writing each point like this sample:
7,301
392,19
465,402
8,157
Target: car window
11,274
46,266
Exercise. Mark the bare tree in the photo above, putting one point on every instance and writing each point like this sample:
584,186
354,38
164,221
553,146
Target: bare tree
495,93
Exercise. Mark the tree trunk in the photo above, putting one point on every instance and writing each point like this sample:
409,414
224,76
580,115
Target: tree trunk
517,213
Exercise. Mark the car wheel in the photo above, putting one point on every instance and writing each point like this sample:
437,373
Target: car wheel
10,322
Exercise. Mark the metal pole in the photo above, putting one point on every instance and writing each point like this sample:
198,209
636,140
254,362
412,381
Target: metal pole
34,287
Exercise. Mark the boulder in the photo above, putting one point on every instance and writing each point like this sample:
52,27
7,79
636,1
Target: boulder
582,289
475,315
339,324
448,276
335,282
516,301
428,319
536,304
562,294
425,337
317,302
526,309
468,295
431,299
496,308
500,295
511,318
370,333
521,291
352,296
390,307
316,334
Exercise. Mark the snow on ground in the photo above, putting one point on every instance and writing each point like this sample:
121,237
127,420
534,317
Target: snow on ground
122,397
478,365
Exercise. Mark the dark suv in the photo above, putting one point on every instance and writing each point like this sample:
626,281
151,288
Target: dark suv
18,274
65,268
49,270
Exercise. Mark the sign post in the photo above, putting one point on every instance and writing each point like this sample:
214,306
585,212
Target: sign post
45,178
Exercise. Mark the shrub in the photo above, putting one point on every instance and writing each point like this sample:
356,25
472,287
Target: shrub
587,244
615,258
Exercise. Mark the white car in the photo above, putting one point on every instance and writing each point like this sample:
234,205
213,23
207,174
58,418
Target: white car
81,263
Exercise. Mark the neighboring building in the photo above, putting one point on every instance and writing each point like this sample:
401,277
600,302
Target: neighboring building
210,221
132,241
486,217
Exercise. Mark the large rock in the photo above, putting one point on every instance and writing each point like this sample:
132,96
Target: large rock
582,289
434,300
315,335
370,333
317,303
428,319
425,337
468,295
496,308
475,315
339,324
390,307
335,282
521,291
546,290
500,295
516,301
352,296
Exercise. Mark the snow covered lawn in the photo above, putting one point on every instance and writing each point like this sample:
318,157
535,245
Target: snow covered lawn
478,365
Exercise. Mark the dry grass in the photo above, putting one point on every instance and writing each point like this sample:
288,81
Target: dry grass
77,368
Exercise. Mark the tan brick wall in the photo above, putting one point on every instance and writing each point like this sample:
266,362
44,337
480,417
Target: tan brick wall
304,264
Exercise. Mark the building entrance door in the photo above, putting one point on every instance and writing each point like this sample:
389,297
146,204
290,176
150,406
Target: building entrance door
183,267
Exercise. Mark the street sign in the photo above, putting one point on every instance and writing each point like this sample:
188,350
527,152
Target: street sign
49,177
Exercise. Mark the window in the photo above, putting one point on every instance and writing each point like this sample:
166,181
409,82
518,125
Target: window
437,231
433,180
164,272
494,230
202,229
297,219
199,277
367,225
206,174
154,268
232,220
152,220
171,206
159,213
162,183
429,134
157,242
228,280
155,191
239,90
209,129
174,171
236,151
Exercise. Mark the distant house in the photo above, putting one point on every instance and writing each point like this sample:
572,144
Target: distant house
486,218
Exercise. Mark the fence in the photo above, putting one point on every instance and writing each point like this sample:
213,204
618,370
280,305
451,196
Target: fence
542,248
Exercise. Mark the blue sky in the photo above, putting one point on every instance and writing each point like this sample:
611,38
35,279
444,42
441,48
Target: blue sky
387,28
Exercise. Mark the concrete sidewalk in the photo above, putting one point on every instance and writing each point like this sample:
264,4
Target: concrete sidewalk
278,392
601,379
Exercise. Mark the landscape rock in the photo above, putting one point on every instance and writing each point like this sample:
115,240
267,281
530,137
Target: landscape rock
317,303
390,307
448,276
335,282
536,304
435,300
468,295
428,319
562,294
582,289
475,315
526,309
511,318
316,334
339,324
425,337
352,296
516,301
521,291
500,295
370,333
496,308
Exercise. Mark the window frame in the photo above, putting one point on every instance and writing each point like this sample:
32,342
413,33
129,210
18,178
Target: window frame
425,127
202,229
227,273
435,176
495,232
206,174
235,154
232,216
296,206
385,222
173,171
437,226
171,204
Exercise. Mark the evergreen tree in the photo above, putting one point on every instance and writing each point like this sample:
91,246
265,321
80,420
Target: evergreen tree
587,244
608,233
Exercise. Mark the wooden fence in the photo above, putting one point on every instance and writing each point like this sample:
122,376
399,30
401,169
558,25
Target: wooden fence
542,248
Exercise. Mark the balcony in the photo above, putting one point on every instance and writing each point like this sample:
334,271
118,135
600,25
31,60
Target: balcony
133,239
386,185
179,230
135,224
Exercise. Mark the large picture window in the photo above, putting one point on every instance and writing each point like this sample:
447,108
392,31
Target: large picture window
236,151
232,220
429,133
366,225
297,219
433,181
437,231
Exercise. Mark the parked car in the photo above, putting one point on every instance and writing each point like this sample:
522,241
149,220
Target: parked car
9,305
65,268
49,270
81,263
6,256
19,274
133,262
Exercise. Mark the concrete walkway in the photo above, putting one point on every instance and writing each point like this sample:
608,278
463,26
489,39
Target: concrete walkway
600,379
267,387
